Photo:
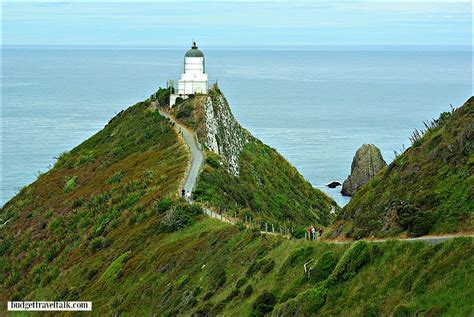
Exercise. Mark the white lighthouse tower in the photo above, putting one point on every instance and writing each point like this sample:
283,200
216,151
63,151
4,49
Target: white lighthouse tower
194,78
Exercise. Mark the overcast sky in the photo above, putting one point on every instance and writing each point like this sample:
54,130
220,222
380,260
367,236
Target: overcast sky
238,24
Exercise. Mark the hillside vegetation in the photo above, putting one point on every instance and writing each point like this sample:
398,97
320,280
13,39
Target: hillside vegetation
105,225
267,187
118,176
208,268
427,189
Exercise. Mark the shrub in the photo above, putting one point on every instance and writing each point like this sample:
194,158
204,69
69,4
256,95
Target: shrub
162,205
218,278
97,243
247,291
185,111
241,283
174,219
212,160
315,298
324,266
264,304
85,158
56,224
232,295
305,304
70,185
298,233
352,260
413,220
163,96
116,178
264,266
178,101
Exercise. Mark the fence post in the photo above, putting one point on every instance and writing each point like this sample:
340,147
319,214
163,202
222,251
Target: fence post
266,227
273,228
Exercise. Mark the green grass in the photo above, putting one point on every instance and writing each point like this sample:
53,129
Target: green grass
427,189
210,266
75,207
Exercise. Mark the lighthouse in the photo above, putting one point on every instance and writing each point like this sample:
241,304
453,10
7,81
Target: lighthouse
194,78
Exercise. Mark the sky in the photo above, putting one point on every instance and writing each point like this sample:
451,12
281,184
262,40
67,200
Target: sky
237,24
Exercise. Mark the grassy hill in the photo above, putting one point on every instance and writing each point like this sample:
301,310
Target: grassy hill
427,189
105,225
116,177
209,268
266,188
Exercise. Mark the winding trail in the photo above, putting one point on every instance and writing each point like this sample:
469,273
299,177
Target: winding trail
194,148
198,157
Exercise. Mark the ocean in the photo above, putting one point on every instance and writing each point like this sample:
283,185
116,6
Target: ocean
315,106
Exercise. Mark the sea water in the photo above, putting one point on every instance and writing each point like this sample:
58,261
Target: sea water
315,106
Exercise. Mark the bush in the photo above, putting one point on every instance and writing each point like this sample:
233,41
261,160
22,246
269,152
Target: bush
324,266
298,233
352,260
305,304
85,158
116,178
178,216
70,185
413,220
163,96
162,205
232,295
264,304
218,278
56,225
264,266
241,283
248,291
98,243
213,160
178,101
185,111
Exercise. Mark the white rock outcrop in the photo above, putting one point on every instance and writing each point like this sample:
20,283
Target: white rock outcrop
224,135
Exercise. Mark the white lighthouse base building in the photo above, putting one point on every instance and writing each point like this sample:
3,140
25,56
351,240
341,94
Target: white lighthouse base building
194,78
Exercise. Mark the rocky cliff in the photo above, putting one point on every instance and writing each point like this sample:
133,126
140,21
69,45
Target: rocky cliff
243,175
215,125
366,163
223,135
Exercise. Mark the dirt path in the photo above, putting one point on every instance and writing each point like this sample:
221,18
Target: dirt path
194,148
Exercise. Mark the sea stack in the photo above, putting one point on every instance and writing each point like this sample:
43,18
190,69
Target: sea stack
366,163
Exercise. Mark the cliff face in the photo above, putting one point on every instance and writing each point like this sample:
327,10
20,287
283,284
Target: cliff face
217,129
223,135
426,189
366,163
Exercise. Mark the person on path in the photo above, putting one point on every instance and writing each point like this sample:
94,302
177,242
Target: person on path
313,231
183,193
188,196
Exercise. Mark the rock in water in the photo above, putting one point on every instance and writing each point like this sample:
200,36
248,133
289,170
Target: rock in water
366,163
333,184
